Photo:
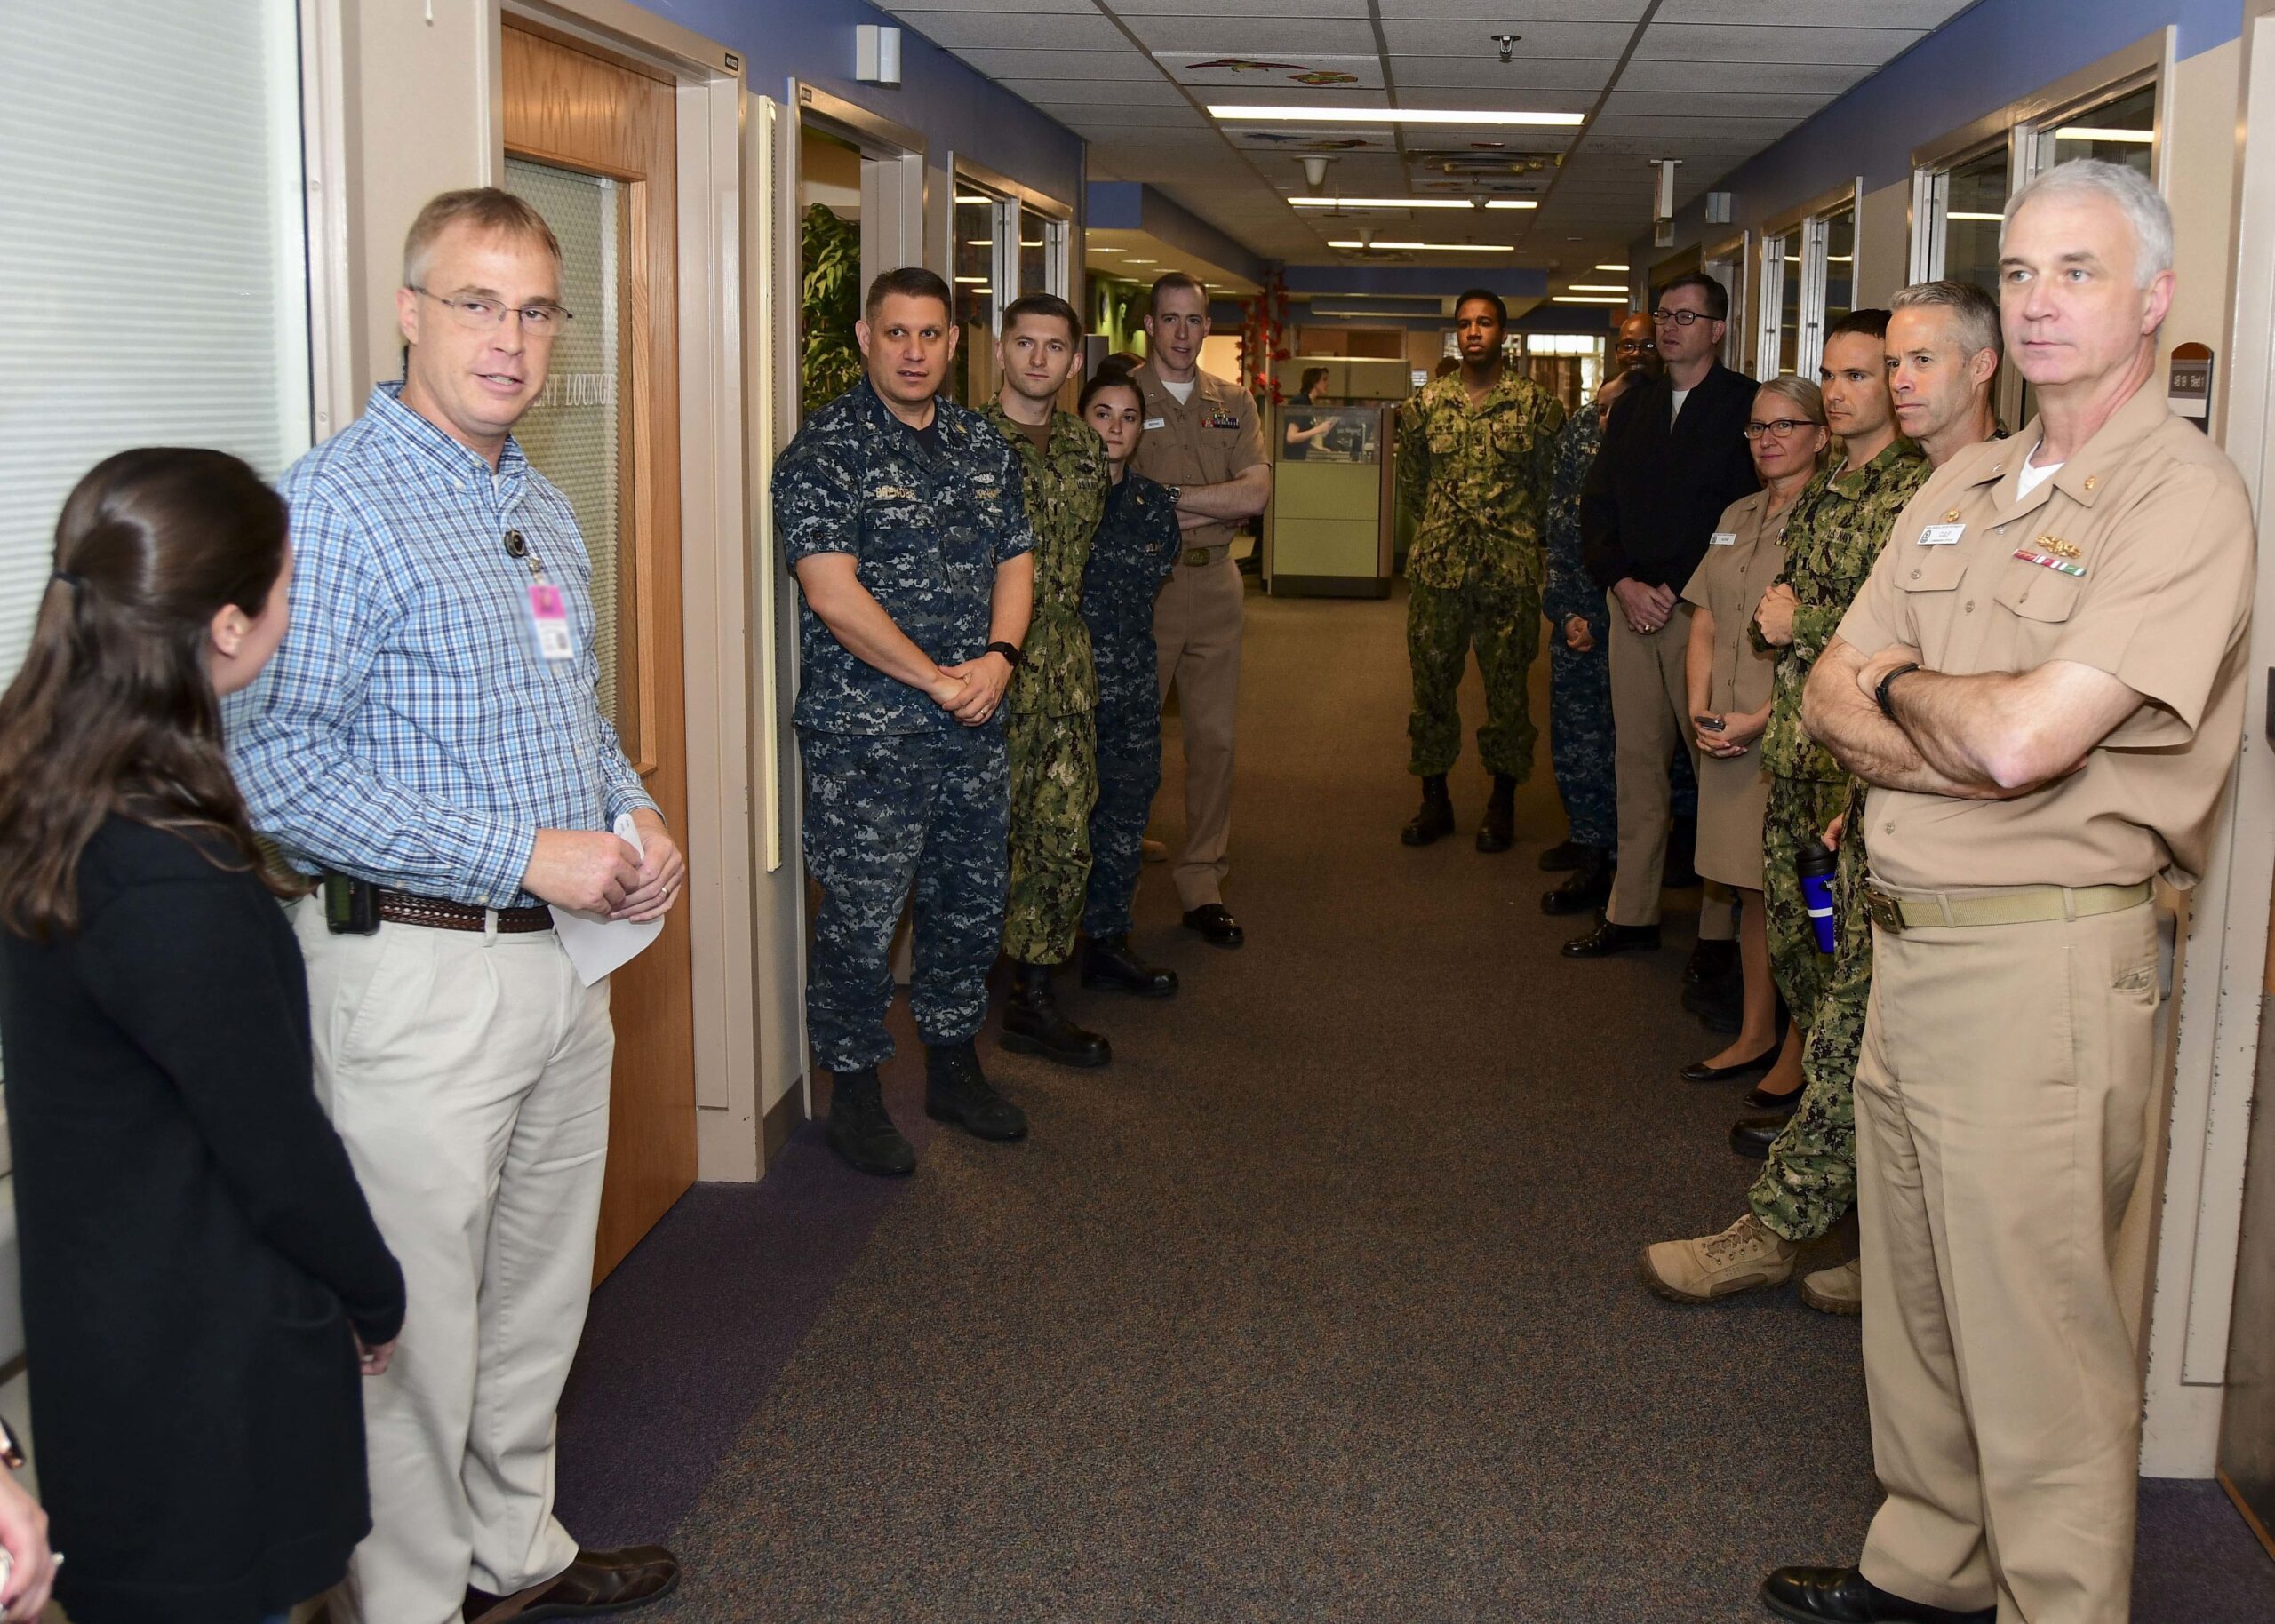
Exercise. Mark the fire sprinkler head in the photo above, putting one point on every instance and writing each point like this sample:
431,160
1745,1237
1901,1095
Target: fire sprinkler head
1508,44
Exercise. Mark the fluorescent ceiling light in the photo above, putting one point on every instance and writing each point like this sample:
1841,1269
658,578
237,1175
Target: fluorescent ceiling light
1024,242
1387,115
1144,262
1096,248
1586,299
1512,203
1962,214
1381,202
972,197
1450,248
1611,267
976,279
2093,132
984,242
1596,287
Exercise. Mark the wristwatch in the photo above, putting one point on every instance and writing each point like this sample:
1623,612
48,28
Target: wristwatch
1880,693
1176,494
1010,651
12,1453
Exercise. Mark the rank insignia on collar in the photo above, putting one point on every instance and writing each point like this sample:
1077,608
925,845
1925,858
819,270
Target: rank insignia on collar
1952,517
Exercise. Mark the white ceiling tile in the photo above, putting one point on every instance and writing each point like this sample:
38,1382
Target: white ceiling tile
1762,132
1026,30
919,9
1074,66
1116,92
1701,104
1252,76
1101,114
1824,13
1132,10
1267,39
1728,43
1782,78
1289,95
1485,74
1504,16
1542,42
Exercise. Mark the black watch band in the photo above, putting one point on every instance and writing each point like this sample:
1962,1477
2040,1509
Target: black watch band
1880,694
1010,651
1176,494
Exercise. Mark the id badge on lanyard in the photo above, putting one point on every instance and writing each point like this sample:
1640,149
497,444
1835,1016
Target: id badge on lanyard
549,611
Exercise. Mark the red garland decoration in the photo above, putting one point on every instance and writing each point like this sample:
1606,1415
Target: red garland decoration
1264,337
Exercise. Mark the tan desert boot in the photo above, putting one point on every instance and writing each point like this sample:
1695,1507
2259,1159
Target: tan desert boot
1747,1256
1836,1290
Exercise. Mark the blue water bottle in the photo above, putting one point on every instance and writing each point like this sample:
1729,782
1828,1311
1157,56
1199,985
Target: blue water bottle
1815,867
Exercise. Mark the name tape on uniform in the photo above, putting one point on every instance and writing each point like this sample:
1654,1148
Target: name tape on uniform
1723,539
1942,535
1157,423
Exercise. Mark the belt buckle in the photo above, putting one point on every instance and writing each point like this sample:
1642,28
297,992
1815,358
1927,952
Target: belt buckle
1197,556
1884,911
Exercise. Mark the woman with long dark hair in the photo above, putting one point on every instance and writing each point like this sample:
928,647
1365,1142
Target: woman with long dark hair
202,1279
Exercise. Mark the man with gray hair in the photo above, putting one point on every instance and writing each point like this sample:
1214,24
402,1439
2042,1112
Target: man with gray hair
2043,682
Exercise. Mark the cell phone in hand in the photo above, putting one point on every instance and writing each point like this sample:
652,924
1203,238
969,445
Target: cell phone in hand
1712,724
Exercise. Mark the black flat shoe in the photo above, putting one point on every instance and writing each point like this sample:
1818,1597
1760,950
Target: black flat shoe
1751,1136
1779,1105
1215,924
1607,938
1843,1596
1699,1071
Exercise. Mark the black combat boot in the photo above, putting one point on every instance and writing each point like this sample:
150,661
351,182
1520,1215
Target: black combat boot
1435,820
1033,1025
957,1091
1585,888
861,1132
1498,833
1109,961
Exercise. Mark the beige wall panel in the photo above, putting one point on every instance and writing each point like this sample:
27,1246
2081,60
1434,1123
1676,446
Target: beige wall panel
2200,176
1883,244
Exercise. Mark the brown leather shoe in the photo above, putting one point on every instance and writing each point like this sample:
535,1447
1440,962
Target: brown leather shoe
599,1581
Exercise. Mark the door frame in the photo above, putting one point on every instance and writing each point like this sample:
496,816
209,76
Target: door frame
725,684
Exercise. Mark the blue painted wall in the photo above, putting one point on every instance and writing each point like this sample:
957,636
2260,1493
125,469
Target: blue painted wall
1129,205
1988,57
958,109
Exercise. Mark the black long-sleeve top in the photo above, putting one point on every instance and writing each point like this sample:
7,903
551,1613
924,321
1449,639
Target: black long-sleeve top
1660,481
196,1248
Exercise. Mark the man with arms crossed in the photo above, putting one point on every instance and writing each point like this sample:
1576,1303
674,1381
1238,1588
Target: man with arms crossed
2043,681
430,739
1941,353
1053,733
902,515
1475,453
1202,442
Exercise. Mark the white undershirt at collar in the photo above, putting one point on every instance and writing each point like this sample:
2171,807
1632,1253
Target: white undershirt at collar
1184,391
2032,476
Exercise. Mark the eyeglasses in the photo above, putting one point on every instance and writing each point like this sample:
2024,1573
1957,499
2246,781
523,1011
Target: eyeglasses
543,320
1779,427
1678,318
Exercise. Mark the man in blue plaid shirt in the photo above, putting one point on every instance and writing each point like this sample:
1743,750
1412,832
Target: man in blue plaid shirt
431,729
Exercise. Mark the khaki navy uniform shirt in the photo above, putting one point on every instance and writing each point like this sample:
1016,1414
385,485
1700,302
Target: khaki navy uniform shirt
1066,484
2135,558
1833,531
1210,439
1743,557
1477,476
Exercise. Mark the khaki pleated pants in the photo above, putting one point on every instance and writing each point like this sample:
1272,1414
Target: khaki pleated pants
1197,643
2001,1110
467,1073
1650,721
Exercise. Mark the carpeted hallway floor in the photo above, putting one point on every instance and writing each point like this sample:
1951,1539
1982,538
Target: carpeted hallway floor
1318,1304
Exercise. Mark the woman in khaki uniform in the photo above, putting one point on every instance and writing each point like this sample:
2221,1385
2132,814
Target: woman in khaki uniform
1730,682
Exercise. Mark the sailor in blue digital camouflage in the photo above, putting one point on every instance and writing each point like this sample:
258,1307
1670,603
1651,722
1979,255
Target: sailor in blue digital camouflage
1054,696
904,518
1475,451
1133,553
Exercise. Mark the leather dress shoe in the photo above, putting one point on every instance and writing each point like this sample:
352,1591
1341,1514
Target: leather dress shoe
1843,1596
1710,962
1435,818
598,1582
1607,938
957,1091
1699,1071
1215,924
1583,889
1566,855
1110,962
1718,1005
862,1132
1751,1136
1499,830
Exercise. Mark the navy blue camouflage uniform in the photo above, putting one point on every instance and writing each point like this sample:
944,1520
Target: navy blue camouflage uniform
900,797
1133,553
1579,684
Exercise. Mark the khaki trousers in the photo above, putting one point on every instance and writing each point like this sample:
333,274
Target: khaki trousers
1649,717
1197,640
467,1073
2002,1098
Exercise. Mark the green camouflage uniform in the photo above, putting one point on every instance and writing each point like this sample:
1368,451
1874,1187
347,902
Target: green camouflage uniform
1479,476
1811,1178
1833,531
1053,728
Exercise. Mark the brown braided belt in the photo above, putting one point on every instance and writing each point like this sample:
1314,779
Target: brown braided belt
404,908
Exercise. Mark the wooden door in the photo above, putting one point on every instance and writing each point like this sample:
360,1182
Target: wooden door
592,144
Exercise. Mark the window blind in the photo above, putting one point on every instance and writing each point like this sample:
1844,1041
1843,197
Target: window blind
153,253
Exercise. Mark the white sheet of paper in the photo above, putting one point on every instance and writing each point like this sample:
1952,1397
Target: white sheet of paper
596,944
